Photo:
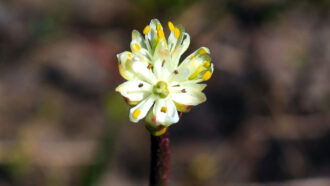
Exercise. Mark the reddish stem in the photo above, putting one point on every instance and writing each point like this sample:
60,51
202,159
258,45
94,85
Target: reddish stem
160,160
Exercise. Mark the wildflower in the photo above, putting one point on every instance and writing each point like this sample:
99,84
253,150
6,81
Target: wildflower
158,85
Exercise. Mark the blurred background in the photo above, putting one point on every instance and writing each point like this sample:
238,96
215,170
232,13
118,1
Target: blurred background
266,121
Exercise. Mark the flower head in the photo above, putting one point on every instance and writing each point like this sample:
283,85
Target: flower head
158,86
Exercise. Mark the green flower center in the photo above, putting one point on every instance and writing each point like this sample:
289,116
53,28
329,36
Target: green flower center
160,89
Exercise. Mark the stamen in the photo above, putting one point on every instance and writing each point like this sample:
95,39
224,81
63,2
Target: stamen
136,113
176,32
121,68
146,29
207,75
176,71
163,109
202,51
149,66
183,91
160,34
160,132
140,85
198,71
163,62
171,26
180,114
206,64
192,57
159,27
137,46
129,55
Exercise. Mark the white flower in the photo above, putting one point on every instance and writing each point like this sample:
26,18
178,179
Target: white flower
157,84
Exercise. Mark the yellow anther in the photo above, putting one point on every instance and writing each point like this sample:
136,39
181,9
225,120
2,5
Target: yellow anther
198,71
192,57
206,64
137,46
163,109
146,29
136,113
171,26
202,51
159,27
129,55
160,132
176,32
160,34
207,75
121,68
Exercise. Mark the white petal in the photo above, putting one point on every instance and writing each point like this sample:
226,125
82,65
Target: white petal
201,54
140,111
134,90
181,48
138,46
161,50
138,38
187,85
142,71
185,43
160,69
133,66
173,41
197,67
152,35
157,68
165,112
186,95
125,65
177,46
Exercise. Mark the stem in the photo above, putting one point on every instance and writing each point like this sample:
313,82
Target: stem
160,160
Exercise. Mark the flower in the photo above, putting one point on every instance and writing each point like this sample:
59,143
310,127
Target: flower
158,85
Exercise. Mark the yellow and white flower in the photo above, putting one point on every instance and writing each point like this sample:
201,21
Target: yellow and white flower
158,85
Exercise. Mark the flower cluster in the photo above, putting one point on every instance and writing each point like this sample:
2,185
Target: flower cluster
158,85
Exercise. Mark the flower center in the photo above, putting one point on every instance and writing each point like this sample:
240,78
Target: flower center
160,89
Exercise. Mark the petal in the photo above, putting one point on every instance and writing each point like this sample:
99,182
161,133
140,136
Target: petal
138,46
196,67
140,111
184,45
200,55
157,45
125,65
164,112
155,39
178,42
161,50
160,69
152,35
142,70
187,85
187,95
133,66
175,38
134,90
